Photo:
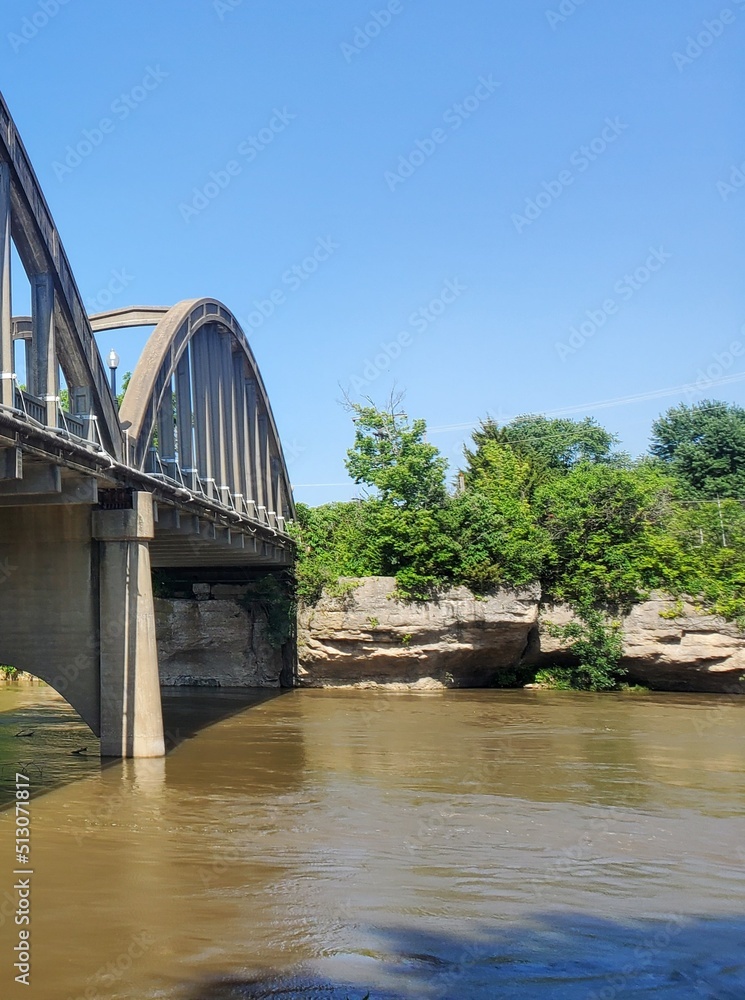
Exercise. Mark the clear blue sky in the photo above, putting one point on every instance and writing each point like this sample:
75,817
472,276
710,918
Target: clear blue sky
186,85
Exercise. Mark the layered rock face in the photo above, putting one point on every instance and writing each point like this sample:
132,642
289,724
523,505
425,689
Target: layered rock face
215,643
367,638
668,646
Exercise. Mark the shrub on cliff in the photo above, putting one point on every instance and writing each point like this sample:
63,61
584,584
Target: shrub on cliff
704,555
605,525
595,645
333,540
499,539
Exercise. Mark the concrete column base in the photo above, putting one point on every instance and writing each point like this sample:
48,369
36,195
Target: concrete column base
131,715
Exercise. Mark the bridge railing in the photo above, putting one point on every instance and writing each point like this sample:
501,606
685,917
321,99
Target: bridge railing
35,408
168,470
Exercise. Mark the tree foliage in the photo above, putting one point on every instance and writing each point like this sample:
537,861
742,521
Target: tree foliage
391,456
602,522
703,445
549,446
595,645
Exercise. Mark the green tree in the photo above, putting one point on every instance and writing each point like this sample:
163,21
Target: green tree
550,444
704,446
415,546
336,539
392,456
500,541
703,552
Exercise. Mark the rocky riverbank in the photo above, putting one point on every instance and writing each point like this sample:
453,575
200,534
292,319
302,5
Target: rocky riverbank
366,638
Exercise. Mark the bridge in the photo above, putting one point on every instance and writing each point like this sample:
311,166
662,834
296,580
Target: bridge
189,472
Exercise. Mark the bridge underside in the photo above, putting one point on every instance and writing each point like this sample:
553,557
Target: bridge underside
183,539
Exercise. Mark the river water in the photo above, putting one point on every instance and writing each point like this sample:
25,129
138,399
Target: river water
468,844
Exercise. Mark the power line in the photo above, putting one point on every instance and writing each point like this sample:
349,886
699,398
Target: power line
608,403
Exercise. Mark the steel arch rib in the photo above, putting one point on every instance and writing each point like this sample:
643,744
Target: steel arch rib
157,366
40,249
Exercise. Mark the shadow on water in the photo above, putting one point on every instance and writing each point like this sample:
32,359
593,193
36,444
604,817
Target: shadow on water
188,710
46,740
42,737
560,956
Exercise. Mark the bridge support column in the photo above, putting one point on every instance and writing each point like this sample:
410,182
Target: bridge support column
131,715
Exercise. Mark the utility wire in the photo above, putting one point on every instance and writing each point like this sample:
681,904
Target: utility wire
606,403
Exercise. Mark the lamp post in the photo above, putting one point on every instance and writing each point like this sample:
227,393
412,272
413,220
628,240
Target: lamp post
113,365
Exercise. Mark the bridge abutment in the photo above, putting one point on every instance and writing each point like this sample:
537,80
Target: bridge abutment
131,716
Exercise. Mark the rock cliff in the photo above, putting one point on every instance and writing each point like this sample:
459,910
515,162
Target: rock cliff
367,638
215,643
668,646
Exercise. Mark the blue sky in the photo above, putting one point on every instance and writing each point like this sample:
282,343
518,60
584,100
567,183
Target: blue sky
501,207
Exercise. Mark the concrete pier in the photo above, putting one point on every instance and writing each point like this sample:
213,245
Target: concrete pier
131,717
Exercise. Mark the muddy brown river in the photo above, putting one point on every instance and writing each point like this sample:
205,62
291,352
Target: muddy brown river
473,844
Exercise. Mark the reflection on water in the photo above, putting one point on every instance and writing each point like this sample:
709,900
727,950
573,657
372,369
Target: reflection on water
462,844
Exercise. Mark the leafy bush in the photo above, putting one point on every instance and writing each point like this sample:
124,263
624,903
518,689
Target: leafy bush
596,647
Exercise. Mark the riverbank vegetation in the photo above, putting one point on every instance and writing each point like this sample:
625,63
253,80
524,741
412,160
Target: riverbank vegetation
543,499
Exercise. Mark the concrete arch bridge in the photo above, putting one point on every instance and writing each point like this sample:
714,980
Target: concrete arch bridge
188,473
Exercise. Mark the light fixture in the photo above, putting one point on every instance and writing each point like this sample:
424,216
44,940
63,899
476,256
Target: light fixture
113,365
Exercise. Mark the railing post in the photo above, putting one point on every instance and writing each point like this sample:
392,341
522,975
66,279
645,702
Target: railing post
7,381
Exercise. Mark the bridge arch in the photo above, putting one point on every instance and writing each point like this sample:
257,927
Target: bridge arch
49,615
61,333
196,411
